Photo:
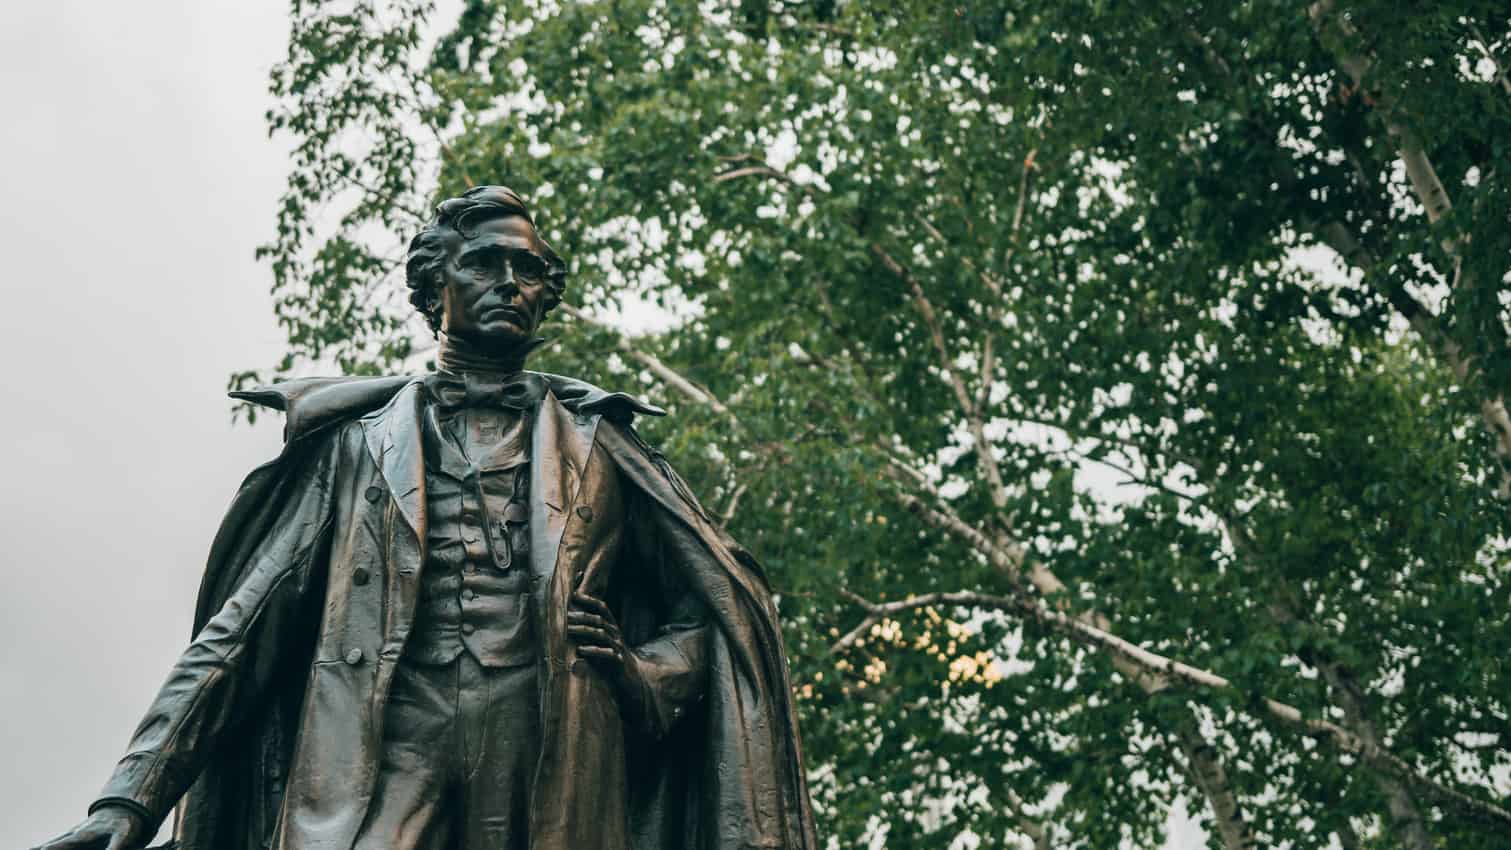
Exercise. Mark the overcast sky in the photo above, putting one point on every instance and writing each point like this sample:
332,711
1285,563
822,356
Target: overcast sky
138,181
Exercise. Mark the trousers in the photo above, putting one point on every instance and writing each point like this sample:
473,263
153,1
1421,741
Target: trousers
460,746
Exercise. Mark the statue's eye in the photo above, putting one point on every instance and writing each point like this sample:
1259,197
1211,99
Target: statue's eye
480,262
528,267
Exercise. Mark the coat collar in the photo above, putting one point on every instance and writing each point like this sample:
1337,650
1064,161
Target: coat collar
311,404
391,411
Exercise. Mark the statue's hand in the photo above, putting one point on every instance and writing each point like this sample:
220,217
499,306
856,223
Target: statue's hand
109,828
591,625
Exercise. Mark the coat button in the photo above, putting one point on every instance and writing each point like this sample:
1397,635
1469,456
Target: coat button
585,512
468,628
354,657
360,576
373,494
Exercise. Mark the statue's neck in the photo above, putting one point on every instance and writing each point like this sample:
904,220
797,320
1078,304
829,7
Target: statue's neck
459,355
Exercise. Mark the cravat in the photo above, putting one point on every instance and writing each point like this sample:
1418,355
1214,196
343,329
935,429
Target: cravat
454,392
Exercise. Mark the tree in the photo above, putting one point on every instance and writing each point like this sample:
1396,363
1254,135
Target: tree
1114,392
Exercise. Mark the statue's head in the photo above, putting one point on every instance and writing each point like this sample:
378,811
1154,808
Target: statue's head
481,273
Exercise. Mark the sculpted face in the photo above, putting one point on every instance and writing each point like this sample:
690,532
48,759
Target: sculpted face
493,286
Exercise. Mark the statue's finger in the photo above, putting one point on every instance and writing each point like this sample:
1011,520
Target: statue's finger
590,634
599,652
593,604
589,623
586,618
607,628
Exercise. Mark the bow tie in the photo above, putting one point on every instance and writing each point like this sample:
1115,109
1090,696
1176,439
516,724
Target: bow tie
454,392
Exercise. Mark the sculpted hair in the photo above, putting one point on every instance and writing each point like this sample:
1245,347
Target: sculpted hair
431,247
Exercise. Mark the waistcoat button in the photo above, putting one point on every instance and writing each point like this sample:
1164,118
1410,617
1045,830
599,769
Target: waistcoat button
360,576
585,512
354,657
373,494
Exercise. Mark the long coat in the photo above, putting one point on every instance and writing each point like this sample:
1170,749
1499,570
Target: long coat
270,723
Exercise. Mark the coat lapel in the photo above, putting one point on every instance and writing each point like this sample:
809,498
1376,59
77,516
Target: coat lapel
560,444
393,439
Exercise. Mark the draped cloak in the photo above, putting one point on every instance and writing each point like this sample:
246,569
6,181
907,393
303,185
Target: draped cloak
288,766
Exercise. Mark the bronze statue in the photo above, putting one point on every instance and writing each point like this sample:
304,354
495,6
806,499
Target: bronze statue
469,610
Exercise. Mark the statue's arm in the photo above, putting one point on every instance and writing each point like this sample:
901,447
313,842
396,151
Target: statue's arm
673,665
659,660
222,675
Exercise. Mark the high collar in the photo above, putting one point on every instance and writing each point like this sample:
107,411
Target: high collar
458,356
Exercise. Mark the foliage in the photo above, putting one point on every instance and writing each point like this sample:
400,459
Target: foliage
1138,313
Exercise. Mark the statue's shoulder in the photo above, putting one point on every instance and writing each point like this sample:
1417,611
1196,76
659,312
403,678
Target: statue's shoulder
580,396
311,404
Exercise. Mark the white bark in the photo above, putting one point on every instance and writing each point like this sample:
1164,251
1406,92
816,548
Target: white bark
1206,768
1405,816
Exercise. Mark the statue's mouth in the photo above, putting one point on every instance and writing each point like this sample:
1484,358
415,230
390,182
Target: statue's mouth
514,316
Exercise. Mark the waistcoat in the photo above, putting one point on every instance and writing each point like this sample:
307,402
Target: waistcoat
474,585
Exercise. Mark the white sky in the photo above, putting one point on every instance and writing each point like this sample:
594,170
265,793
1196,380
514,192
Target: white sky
139,180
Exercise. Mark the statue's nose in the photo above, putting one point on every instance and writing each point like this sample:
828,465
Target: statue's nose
507,285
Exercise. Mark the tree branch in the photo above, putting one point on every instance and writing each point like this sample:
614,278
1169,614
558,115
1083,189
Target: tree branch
1405,816
984,457
1160,665
762,170
650,361
1336,31
1207,773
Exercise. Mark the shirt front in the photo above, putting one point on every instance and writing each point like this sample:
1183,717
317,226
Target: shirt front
475,582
